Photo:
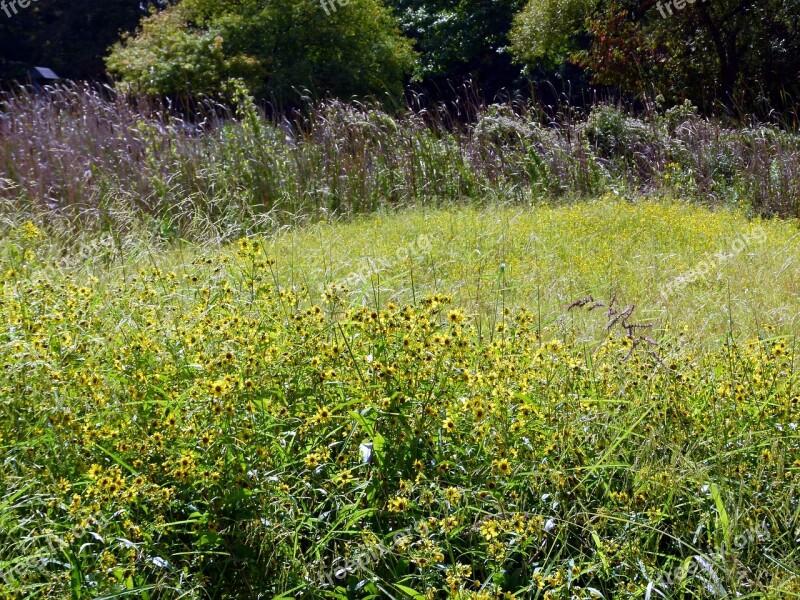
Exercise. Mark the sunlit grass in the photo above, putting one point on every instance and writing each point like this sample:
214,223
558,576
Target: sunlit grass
545,257
256,421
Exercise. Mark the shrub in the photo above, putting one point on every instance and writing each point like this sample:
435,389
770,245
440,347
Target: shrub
278,50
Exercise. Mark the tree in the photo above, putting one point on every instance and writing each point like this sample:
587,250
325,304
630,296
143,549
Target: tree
736,51
278,48
461,38
546,32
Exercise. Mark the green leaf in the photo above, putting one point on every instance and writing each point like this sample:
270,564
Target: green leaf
409,591
723,514
118,459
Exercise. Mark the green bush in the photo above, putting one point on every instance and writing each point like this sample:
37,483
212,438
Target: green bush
615,134
280,50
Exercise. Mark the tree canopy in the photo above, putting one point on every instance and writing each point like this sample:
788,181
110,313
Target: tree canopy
736,51
279,48
460,38
740,52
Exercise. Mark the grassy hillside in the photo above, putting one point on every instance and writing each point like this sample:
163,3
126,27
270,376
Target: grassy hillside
274,419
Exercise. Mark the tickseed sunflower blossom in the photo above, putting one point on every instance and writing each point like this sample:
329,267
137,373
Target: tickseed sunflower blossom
228,410
502,467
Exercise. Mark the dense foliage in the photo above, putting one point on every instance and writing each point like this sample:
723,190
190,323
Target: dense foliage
461,39
742,53
71,37
219,379
210,429
106,163
737,51
280,49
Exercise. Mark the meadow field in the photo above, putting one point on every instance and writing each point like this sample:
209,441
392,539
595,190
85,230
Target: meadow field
446,378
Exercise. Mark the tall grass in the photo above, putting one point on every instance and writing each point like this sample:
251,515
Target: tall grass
87,154
225,425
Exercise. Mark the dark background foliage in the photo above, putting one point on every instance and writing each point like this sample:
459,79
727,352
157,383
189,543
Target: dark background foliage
738,56
71,37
